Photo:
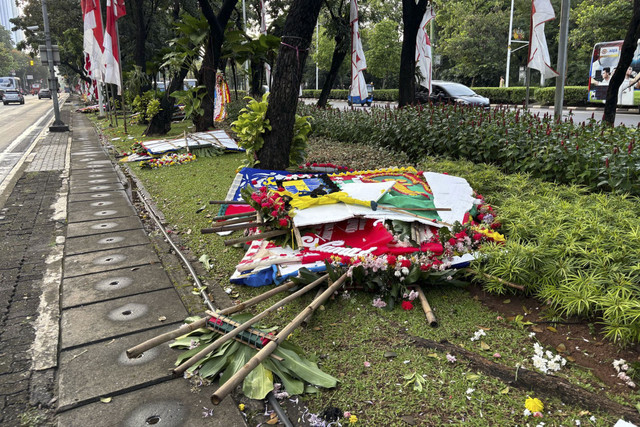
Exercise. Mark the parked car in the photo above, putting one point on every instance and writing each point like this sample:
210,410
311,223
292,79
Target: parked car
450,92
12,95
44,93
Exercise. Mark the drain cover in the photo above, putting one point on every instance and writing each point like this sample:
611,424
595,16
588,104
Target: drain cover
106,212
129,311
114,283
110,240
104,226
98,204
109,259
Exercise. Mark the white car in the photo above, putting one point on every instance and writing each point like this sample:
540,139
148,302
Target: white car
12,95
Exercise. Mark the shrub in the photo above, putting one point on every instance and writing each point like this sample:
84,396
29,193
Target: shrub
595,155
573,95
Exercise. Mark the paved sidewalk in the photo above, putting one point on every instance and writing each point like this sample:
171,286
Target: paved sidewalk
80,282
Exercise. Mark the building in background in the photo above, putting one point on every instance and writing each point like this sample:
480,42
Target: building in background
8,10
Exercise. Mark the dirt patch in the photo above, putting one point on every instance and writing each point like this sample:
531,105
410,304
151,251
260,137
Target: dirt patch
583,341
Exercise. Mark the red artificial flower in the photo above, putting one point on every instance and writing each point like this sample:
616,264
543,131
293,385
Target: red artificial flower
283,222
452,241
435,247
254,181
461,235
281,189
405,263
406,305
477,237
274,213
391,259
495,225
480,217
425,267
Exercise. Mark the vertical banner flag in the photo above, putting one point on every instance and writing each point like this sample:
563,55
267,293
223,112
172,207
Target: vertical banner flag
541,12
263,30
358,63
115,11
423,49
93,37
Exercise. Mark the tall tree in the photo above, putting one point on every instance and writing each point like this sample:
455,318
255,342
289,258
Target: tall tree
383,55
412,13
212,56
626,56
338,26
296,38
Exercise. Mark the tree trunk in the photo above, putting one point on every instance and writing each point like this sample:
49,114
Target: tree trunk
626,56
207,78
257,71
339,53
296,38
141,35
160,124
207,74
412,15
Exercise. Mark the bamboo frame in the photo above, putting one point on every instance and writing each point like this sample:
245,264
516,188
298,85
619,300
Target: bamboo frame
232,227
265,235
431,317
185,329
237,215
228,202
239,376
488,276
246,325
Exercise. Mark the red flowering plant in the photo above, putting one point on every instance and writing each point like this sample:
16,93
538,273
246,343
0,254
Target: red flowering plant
271,206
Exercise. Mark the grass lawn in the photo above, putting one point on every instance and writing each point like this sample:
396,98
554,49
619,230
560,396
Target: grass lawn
348,331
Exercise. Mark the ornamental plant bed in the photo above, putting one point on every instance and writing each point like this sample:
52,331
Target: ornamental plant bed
347,332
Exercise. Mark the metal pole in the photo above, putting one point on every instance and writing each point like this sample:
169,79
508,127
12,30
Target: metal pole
528,83
246,63
562,59
58,125
506,77
124,109
317,38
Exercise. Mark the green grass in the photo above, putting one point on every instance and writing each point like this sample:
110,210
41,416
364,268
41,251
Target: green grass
345,333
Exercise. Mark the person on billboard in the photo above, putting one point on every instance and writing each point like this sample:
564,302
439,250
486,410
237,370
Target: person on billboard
606,77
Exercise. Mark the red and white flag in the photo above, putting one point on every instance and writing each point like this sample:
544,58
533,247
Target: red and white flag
263,30
93,38
423,49
541,12
358,63
115,11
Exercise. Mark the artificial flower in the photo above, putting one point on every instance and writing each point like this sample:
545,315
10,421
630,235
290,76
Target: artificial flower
241,406
534,405
353,419
406,305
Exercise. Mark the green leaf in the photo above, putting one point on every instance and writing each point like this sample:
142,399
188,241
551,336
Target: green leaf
291,384
206,261
304,369
258,383
239,359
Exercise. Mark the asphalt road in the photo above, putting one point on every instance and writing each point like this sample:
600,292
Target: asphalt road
19,126
629,118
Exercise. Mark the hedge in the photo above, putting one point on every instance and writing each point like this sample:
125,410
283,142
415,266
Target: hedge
573,95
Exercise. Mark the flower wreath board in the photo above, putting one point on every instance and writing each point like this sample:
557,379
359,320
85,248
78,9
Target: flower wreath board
350,223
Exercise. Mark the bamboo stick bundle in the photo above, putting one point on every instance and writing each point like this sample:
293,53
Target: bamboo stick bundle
232,382
232,227
236,215
431,318
136,351
217,343
265,235
228,202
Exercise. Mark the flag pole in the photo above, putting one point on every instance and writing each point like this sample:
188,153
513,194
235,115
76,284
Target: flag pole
124,109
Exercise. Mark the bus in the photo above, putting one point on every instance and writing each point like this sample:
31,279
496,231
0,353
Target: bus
11,83
604,61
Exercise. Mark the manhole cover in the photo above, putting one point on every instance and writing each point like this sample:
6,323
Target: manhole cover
128,312
104,226
114,283
109,259
110,240
106,212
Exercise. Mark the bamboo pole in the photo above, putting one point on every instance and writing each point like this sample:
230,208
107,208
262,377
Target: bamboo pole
233,382
414,209
237,215
185,329
228,202
431,318
233,221
490,277
243,226
265,235
246,325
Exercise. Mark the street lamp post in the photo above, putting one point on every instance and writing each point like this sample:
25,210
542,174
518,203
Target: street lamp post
58,125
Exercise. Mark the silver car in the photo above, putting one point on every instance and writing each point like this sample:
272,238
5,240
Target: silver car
11,95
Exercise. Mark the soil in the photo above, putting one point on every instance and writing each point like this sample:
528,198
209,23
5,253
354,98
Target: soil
584,342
